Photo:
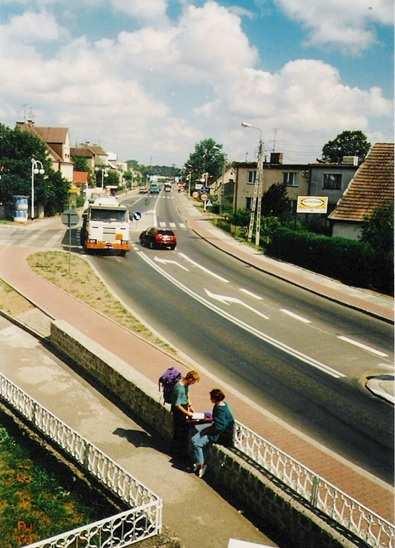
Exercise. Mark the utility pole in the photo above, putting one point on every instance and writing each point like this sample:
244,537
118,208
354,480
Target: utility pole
256,206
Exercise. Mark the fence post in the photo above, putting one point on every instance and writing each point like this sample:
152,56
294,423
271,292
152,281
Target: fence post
314,491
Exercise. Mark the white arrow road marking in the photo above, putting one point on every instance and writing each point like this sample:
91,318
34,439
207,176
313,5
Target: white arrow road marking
228,300
257,297
202,268
364,346
289,313
164,261
243,325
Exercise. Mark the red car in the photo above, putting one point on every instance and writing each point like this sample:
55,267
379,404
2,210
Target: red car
158,237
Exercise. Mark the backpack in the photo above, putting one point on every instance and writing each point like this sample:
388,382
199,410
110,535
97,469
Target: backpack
167,380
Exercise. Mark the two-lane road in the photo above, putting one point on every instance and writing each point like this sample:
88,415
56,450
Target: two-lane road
287,350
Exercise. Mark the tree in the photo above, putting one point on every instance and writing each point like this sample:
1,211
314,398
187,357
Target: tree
80,164
275,201
208,157
112,178
17,148
378,229
347,143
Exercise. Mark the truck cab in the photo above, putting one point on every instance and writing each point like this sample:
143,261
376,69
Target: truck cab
105,226
154,188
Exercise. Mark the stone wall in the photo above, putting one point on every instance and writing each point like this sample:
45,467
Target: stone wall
270,507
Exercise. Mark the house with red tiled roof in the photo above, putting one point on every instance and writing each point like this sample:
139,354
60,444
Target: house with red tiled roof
57,141
371,187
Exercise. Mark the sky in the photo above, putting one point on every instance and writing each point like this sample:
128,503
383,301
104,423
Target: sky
148,79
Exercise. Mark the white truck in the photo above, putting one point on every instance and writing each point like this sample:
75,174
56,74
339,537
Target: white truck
105,226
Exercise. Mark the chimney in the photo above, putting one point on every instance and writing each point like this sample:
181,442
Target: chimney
350,160
276,157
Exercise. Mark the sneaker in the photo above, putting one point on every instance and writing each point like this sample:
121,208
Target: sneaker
202,470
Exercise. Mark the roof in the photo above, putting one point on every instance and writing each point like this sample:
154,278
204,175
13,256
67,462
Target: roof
268,165
52,134
83,152
372,186
26,126
96,149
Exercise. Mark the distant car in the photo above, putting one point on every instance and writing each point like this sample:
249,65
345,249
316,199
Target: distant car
158,237
167,188
143,190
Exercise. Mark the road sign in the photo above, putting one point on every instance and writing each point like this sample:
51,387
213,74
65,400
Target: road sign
195,194
209,203
312,204
203,197
70,217
136,215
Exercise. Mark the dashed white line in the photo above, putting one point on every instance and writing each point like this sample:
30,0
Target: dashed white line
172,225
245,326
257,297
181,225
295,316
162,224
203,268
363,346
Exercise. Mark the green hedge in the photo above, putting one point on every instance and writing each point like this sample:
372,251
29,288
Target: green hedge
351,261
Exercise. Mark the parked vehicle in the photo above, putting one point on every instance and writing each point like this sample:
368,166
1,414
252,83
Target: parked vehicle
143,190
154,188
105,226
158,238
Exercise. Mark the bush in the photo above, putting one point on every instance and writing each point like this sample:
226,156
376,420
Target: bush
351,261
241,217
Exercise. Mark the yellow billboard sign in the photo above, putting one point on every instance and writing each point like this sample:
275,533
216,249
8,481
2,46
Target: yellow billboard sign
312,204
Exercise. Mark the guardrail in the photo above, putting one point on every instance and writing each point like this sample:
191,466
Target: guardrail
322,495
143,520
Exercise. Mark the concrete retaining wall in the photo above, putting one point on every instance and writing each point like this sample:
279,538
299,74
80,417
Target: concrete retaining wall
266,503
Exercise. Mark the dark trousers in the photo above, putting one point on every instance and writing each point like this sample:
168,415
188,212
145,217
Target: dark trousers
180,440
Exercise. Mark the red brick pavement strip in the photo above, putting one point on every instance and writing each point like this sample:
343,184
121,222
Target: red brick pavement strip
151,362
291,274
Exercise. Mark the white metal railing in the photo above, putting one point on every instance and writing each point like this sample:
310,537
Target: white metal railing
322,495
143,520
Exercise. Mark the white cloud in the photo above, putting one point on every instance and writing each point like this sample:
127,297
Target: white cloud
145,10
158,90
339,23
31,27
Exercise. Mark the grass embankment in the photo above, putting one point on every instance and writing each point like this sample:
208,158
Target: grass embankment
81,282
11,302
36,502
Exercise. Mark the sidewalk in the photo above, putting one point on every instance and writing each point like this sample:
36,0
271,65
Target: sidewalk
72,399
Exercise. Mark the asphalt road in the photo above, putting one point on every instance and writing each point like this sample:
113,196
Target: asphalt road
292,352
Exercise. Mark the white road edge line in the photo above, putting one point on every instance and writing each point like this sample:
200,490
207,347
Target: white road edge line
203,268
295,316
243,325
364,346
257,297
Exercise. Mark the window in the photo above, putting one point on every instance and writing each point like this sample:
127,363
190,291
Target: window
289,178
248,203
252,177
332,181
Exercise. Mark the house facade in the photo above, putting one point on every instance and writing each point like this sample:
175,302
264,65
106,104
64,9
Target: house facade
295,176
372,186
330,180
57,141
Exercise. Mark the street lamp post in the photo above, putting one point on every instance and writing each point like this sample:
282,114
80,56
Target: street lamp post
258,188
103,174
37,168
